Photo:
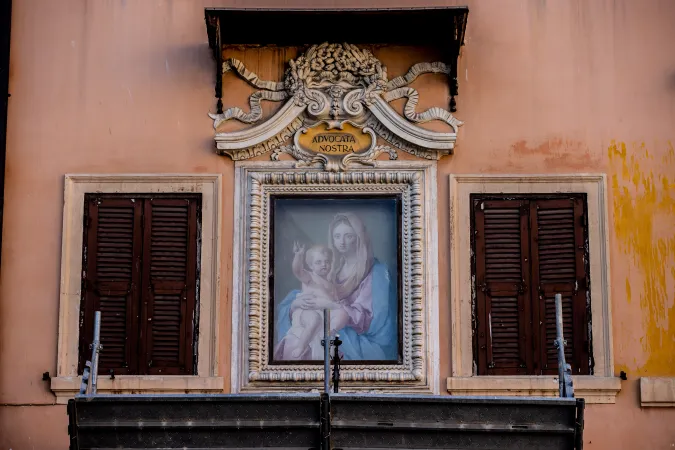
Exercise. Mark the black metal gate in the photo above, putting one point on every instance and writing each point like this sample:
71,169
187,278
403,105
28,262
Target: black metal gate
323,421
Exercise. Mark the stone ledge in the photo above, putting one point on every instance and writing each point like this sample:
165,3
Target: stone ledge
657,392
591,388
65,388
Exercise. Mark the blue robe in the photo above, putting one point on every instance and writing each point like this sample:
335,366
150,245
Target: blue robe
380,341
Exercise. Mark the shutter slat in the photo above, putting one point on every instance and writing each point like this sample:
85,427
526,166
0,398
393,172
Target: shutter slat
115,266
504,331
113,247
171,227
166,229
559,248
502,300
113,332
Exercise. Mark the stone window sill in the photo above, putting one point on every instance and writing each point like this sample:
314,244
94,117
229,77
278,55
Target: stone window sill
657,392
593,389
65,388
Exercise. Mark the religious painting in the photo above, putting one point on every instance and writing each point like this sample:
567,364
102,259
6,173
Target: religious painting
340,255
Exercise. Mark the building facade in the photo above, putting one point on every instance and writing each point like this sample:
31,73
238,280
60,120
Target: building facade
211,178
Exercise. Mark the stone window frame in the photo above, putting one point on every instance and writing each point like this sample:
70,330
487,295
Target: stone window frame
601,386
66,383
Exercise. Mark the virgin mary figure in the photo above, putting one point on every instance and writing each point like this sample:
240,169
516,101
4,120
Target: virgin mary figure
366,297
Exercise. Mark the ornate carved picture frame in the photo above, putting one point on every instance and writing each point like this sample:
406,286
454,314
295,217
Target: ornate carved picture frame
258,184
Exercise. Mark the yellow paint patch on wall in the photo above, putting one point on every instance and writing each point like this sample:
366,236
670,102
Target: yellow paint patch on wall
644,222
628,292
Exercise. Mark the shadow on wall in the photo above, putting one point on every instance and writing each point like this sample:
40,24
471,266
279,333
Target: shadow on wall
670,81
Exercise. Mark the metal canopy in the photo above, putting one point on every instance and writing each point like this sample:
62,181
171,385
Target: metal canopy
438,27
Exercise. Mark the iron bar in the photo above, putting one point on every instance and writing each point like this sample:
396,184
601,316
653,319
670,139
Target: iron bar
560,344
96,347
326,351
336,363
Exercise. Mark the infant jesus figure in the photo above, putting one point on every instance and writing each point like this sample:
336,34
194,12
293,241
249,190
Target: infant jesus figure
318,293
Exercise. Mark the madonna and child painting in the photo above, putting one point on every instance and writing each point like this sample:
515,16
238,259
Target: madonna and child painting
340,255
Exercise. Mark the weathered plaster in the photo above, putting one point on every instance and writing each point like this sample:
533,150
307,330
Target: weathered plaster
574,154
643,190
128,87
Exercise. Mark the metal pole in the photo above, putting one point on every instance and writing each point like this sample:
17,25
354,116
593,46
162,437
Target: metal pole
565,383
560,344
96,347
326,351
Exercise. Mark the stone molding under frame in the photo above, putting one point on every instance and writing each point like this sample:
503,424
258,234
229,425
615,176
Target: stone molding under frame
332,84
657,392
254,183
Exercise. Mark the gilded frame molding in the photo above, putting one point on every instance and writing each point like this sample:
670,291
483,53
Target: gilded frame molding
255,183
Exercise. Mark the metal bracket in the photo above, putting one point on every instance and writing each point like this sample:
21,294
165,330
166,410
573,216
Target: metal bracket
89,375
336,363
335,343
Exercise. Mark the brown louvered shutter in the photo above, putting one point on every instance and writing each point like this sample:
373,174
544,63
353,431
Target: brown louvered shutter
140,271
558,249
503,338
111,278
169,280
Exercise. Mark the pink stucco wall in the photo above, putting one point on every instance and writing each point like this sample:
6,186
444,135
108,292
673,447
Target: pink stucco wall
545,86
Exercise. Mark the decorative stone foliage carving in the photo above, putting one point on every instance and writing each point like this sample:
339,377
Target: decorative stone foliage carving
333,84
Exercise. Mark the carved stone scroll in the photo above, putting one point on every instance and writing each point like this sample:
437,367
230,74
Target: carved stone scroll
335,83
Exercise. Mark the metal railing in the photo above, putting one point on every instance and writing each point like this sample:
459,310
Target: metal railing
327,420
565,384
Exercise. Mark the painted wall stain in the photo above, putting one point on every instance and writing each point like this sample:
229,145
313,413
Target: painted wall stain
628,292
643,188
558,153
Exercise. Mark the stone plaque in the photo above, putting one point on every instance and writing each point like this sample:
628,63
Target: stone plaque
335,141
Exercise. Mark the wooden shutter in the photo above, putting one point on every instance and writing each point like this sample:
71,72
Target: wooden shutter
558,249
169,279
503,340
111,278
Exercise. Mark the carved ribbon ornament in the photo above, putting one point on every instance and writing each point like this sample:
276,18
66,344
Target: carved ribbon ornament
335,84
